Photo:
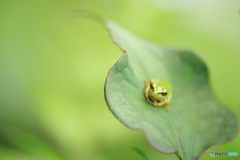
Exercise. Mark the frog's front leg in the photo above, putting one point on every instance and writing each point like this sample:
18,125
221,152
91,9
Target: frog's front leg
163,104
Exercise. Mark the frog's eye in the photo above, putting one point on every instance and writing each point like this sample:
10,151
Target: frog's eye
151,86
162,93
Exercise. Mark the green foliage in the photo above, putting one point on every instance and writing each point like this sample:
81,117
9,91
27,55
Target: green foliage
195,121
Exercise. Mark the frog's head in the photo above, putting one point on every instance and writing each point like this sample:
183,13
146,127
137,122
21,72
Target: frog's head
158,90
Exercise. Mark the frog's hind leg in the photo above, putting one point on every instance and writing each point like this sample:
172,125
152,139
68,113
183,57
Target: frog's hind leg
147,83
150,99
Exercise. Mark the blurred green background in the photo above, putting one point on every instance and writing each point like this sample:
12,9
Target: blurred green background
53,68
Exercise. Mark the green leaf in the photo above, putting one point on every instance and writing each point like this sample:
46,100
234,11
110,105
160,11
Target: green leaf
195,121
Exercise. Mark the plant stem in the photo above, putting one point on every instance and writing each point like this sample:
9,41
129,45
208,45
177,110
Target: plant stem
176,153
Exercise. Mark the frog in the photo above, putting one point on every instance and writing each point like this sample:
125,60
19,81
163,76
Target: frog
158,93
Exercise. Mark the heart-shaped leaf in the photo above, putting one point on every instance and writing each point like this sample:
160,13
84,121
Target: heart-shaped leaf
195,121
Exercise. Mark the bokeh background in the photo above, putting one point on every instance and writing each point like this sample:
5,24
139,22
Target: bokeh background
53,68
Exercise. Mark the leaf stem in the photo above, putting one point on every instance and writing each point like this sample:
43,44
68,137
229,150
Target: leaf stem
176,153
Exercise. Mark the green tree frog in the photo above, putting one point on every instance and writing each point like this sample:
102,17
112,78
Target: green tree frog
158,93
